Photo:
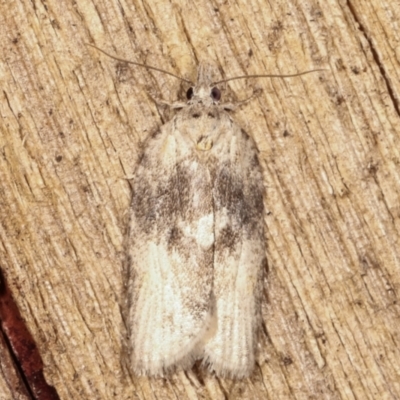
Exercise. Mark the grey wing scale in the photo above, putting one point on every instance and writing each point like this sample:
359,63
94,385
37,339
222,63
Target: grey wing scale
239,255
171,237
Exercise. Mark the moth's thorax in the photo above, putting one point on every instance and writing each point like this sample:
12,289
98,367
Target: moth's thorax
203,125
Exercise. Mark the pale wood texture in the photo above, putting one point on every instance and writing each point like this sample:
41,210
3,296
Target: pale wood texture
71,124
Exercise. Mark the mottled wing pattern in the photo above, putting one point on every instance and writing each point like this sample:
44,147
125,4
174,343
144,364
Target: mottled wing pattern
239,254
196,243
171,238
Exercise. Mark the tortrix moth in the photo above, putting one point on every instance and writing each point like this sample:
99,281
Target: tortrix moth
196,244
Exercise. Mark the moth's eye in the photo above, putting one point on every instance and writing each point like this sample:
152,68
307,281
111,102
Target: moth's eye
189,93
215,94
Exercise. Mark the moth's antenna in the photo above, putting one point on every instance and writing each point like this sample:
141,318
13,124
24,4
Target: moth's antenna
268,76
139,64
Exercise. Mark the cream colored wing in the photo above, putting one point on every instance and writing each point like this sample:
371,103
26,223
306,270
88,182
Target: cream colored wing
171,240
239,255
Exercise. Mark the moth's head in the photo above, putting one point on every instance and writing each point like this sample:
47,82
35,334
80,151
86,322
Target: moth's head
203,94
204,91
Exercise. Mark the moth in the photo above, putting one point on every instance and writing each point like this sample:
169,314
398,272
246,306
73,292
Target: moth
196,242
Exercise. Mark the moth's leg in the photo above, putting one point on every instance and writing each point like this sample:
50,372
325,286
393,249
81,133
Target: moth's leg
233,106
160,102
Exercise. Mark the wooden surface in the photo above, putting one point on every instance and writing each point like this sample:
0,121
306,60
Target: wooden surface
71,124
